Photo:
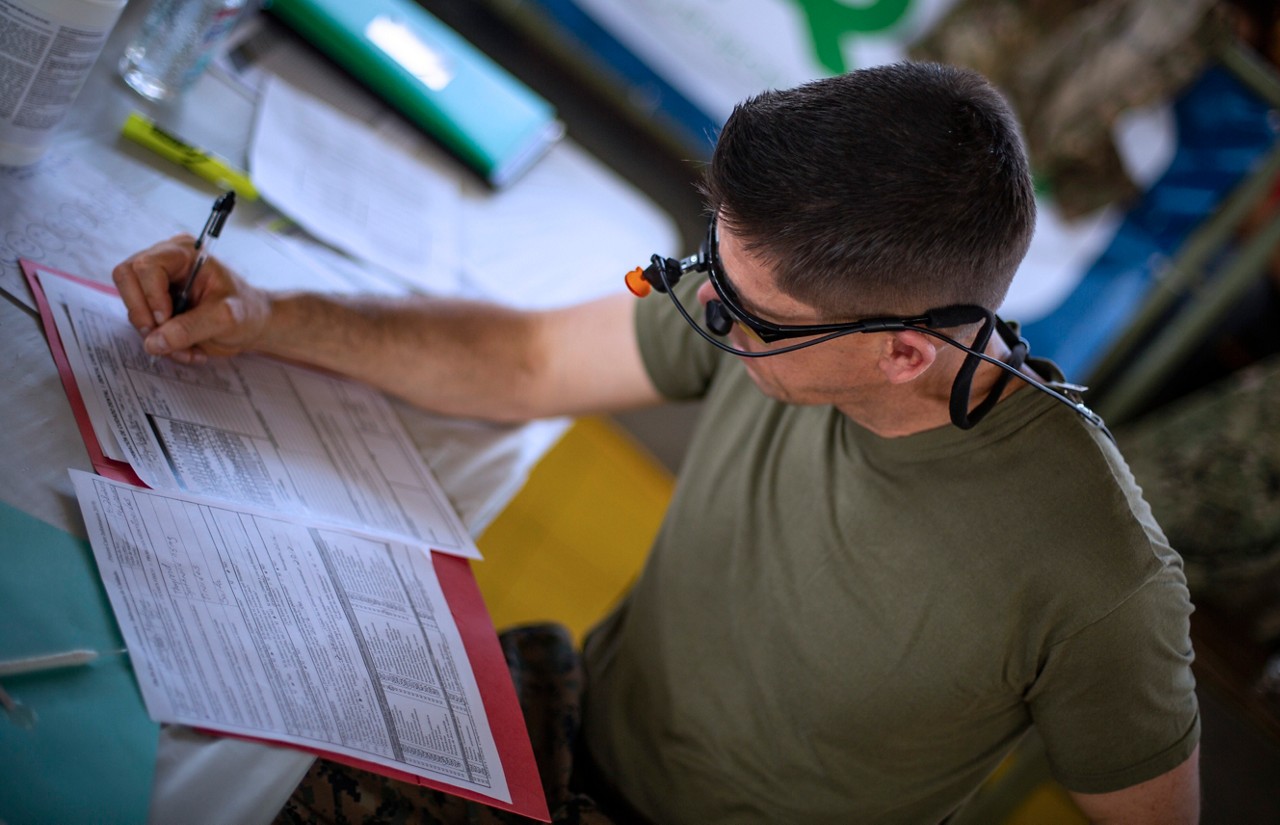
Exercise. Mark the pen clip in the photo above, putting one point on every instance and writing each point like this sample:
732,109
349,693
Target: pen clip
218,215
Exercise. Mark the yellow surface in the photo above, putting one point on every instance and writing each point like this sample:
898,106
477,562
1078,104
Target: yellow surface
1048,804
573,539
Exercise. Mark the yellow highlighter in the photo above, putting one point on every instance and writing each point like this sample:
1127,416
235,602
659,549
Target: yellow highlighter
205,164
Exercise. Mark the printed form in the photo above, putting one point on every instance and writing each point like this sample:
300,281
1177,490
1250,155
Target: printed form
354,188
251,430
247,622
70,214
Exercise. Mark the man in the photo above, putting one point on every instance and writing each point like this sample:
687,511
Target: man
854,608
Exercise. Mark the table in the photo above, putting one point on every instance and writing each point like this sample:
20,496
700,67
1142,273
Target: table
564,232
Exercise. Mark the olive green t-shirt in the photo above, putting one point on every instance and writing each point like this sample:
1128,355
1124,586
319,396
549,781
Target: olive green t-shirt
838,627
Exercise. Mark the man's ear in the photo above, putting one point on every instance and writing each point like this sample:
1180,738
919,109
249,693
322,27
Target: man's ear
906,355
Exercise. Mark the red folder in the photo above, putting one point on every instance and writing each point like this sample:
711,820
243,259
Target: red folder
106,467
479,637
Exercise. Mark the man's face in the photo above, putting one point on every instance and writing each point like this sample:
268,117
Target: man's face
827,373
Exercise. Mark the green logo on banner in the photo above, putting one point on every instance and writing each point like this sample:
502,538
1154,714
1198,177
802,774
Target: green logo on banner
830,20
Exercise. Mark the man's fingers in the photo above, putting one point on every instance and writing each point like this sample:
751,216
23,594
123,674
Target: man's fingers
141,313
194,356
153,282
175,335
143,281
224,317
205,322
163,341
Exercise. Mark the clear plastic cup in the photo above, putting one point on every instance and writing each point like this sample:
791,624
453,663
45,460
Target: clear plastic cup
173,47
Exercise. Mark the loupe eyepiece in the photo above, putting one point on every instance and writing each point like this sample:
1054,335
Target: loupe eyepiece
663,273
660,274
719,321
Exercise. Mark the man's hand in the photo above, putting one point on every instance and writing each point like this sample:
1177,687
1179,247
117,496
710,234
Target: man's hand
226,315
456,357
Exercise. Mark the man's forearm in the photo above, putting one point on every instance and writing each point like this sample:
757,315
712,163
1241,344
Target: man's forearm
456,357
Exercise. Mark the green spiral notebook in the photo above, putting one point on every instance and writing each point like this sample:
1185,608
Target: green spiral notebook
431,75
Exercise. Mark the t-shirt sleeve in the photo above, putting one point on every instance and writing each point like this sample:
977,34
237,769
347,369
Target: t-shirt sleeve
1115,703
678,361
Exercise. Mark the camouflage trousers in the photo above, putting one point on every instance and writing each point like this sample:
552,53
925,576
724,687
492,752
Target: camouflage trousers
547,673
1209,465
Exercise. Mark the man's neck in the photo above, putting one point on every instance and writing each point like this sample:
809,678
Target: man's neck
925,404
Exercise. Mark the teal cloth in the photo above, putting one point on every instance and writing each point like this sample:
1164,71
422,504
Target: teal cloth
91,755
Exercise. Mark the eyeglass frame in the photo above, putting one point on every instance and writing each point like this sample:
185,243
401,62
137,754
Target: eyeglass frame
663,273
708,260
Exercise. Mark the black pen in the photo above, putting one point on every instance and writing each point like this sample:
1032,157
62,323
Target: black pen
204,245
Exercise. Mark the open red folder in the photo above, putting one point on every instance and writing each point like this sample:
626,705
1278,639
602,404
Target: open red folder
456,580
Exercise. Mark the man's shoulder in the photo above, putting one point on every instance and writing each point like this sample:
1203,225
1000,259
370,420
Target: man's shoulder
1073,522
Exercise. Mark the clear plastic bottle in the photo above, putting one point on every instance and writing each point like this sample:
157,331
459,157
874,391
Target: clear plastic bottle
175,43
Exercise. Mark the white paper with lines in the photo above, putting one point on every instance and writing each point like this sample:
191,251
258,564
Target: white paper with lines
257,624
252,430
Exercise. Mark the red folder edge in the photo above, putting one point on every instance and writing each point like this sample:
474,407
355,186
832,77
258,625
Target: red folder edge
501,705
106,467
506,722
479,637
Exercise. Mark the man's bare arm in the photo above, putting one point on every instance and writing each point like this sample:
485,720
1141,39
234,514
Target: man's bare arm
456,357
1172,798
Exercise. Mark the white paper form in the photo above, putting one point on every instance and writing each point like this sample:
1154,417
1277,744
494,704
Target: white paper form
351,188
246,622
252,430
67,214
561,243
100,413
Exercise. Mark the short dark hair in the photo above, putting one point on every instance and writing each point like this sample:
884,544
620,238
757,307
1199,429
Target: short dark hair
893,189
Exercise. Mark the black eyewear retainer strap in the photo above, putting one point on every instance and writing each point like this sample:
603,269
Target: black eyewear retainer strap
663,274
961,415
